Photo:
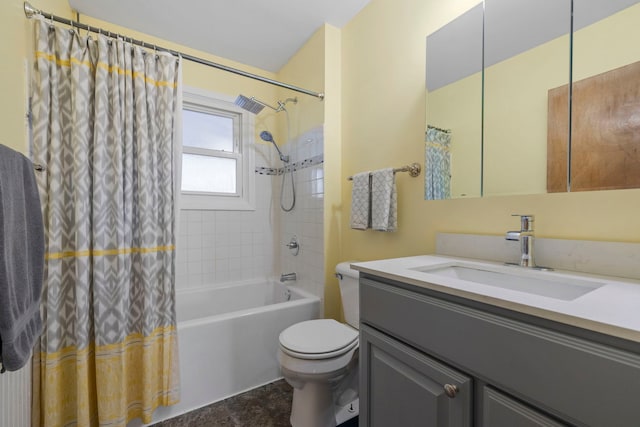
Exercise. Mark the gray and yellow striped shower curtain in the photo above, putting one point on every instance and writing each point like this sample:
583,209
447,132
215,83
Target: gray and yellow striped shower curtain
103,126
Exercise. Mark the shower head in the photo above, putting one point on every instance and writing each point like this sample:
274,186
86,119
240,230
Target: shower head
249,104
266,136
255,106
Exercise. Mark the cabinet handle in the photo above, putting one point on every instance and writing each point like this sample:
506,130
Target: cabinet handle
451,390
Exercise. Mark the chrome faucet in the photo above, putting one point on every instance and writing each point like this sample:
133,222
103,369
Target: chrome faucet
287,277
525,236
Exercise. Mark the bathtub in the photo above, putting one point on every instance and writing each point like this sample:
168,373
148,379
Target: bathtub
228,339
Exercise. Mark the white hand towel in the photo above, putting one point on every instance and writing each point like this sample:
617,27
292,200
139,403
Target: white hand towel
361,202
384,200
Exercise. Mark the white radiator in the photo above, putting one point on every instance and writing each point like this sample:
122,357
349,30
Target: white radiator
15,398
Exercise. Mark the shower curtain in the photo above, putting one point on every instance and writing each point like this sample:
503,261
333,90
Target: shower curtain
103,126
437,164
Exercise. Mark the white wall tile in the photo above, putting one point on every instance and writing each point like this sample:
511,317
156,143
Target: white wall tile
305,221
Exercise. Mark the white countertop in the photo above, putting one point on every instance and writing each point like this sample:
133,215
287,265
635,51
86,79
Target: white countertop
612,309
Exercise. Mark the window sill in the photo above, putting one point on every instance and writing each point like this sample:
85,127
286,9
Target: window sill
216,203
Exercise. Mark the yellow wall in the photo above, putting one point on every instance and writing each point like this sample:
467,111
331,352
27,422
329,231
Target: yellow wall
332,165
305,69
383,125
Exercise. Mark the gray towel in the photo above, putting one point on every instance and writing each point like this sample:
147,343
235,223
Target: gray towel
21,259
384,200
361,202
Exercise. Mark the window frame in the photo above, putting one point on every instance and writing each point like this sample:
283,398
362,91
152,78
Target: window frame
199,100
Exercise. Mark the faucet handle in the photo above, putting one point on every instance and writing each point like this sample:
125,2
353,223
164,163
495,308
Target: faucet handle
293,246
526,221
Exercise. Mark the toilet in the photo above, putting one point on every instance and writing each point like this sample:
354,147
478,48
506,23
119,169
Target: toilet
319,359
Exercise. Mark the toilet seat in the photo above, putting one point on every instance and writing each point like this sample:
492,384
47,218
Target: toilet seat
318,339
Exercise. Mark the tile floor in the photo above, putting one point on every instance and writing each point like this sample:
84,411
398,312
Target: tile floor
266,406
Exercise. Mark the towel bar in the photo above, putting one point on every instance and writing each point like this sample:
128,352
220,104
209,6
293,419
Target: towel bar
414,170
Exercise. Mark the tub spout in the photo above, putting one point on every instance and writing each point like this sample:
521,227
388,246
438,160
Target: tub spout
287,277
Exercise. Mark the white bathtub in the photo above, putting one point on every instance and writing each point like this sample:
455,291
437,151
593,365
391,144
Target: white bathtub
228,339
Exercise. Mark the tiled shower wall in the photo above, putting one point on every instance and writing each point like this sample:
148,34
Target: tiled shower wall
218,247
305,221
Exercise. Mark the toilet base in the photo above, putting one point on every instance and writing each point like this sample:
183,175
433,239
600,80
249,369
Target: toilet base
322,400
313,406
348,411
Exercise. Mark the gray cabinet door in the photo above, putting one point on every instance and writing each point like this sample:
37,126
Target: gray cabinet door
400,386
499,410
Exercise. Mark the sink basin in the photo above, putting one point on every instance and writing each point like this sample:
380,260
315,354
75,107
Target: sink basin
552,286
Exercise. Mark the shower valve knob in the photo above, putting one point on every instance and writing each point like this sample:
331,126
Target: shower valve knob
293,245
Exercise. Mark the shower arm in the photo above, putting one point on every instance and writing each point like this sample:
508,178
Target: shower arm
280,106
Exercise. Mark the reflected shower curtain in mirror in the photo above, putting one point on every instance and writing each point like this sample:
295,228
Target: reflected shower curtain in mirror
103,126
437,173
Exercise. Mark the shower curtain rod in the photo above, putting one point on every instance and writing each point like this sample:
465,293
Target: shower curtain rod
30,11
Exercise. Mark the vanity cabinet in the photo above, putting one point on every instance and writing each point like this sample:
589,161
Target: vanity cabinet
408,388
509,369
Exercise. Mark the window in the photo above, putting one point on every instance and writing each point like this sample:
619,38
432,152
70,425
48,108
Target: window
217,155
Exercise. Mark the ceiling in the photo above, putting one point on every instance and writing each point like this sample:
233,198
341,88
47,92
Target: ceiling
260,33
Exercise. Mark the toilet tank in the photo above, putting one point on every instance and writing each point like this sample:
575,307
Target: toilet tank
349,287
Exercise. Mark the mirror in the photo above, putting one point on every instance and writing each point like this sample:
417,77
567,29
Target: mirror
605,119
453,139
526,52
515,138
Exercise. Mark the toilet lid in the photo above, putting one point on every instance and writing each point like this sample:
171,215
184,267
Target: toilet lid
319,336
